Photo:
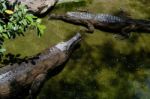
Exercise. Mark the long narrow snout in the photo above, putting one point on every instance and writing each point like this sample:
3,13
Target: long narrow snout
70,44
73,41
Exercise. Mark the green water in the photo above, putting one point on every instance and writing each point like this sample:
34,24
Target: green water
103,67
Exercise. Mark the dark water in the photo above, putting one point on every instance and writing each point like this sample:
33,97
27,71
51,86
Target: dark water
103,67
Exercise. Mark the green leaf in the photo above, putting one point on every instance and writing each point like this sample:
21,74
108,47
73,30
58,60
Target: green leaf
4,6
18,21
10,26
19,14
1,29
1,21
24,22
29,18
2,50
41,29
5,36
38,20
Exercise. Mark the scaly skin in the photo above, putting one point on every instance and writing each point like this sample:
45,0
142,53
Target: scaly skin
28,77
105,22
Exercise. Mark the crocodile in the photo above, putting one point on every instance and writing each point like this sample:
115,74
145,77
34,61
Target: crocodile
105,22
28,77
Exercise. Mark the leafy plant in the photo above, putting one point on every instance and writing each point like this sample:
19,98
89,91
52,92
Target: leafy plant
15,20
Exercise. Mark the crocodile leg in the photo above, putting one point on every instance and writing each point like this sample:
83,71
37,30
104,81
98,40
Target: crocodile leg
126,31
36,85
90,27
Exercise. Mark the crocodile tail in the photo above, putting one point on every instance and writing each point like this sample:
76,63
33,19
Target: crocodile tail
55,16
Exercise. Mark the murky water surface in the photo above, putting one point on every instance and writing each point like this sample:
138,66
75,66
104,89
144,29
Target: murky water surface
103,67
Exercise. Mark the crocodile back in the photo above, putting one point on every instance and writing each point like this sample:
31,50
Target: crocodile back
12,72
107,18
81,15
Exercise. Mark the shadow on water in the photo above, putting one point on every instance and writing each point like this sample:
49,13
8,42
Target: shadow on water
80,78
129,62
79,81
11,59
